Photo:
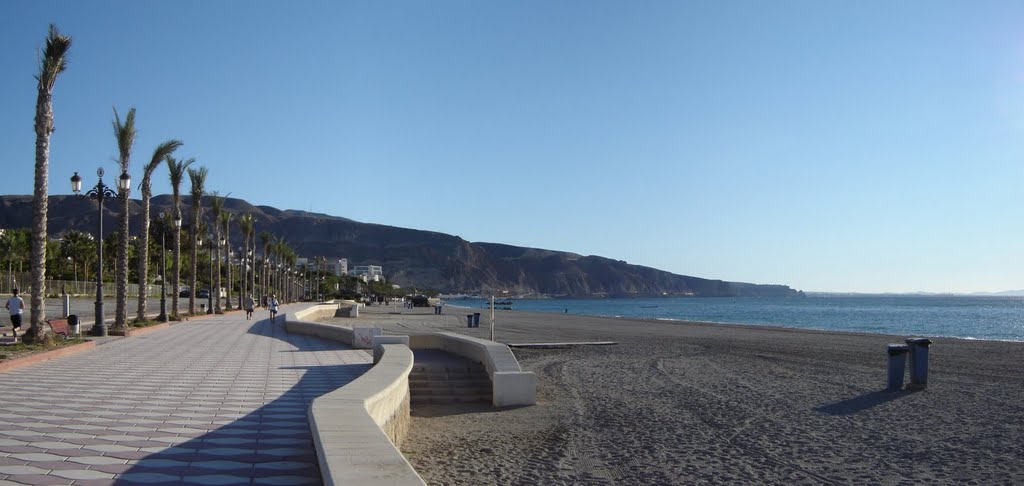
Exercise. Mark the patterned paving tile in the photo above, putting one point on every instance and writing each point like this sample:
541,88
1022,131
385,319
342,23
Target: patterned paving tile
218,401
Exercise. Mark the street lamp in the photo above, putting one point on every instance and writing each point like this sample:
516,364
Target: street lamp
241,276
163,272
100,193
209,295
177,229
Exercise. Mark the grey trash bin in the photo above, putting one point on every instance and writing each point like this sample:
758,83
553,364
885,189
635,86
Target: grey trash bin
919,361
73,324
897,364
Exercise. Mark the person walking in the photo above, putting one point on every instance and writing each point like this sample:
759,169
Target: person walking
15,306
248,304
272,305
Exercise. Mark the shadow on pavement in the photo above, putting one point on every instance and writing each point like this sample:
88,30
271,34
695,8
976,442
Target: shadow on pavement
270,445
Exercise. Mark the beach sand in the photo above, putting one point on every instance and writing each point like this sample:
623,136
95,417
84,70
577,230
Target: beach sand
693,403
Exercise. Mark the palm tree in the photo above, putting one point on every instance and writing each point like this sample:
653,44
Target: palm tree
52,63
198,179
176,170
264,278
225,223
216,209
162,152
81,248
246,224
125,135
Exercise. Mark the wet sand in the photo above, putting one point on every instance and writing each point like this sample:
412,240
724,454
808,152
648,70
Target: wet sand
692,403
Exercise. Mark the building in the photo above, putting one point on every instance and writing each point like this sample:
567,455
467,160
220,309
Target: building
336,266
368,272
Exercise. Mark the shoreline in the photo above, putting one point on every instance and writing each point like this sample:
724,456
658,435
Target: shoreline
779,327
702,403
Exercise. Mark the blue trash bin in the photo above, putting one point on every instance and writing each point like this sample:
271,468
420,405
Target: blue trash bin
476,319
919,361
897,364
469,320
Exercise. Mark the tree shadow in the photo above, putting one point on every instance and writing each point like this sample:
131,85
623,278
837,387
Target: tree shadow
272,444
863,402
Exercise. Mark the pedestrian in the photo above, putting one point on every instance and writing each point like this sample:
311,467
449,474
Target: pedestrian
15,305
272,305
248,304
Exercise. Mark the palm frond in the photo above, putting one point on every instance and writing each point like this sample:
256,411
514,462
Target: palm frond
125,135
54,58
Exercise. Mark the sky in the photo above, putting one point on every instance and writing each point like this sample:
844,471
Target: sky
871,146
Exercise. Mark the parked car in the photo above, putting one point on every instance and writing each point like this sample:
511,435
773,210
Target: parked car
203,294
184,293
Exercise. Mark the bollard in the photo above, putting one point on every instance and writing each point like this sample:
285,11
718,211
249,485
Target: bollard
897,364
476,319
66,304
919,361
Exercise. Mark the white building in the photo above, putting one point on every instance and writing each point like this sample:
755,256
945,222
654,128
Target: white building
336,266
369,272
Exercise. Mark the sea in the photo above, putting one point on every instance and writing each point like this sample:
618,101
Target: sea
966,317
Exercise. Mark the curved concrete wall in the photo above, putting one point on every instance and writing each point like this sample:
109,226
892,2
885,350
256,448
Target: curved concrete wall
510,385
357,428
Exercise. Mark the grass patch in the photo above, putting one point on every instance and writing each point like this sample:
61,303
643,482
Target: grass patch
20,350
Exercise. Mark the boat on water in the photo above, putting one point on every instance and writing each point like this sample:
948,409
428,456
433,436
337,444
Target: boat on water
648,307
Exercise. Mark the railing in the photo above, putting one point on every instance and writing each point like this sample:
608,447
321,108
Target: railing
83,288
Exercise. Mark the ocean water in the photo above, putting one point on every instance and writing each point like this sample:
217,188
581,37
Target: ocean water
991,318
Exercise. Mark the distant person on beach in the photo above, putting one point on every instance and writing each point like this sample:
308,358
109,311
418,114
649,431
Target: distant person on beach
248,304
272,305
15,305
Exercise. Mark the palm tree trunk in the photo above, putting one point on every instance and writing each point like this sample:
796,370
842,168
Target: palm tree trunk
44,127
175,273
143,254
121,266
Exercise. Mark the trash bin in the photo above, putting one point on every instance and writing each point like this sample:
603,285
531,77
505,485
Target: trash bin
476,319
919,361
73,324
897,364
469,320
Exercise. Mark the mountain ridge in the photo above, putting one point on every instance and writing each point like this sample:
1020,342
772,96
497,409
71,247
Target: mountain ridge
417,258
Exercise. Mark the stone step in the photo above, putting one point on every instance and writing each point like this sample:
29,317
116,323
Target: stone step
428,368
450,383
440,399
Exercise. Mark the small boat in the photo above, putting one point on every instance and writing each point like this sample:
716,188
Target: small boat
648,307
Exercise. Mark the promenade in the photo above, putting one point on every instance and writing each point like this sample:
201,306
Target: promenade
215,400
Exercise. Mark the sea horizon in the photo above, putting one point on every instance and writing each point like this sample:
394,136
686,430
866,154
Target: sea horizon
972,317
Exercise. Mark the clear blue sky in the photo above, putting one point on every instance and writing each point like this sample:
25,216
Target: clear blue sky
831,146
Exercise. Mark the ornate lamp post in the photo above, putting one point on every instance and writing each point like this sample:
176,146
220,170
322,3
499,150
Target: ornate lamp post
241,276
209,296
163,273
100,193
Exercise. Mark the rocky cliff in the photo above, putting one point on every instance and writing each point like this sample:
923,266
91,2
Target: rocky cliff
414,258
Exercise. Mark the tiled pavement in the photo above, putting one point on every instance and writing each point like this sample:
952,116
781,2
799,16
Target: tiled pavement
213,401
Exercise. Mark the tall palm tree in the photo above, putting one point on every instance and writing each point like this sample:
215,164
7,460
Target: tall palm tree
246,224
159,155
225,223
52,62
176,169
216,209
198,179
265,239
125,135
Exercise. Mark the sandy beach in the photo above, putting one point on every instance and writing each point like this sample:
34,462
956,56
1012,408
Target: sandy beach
693,403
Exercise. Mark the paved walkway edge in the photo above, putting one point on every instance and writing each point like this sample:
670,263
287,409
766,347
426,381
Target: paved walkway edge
46,355
356,428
